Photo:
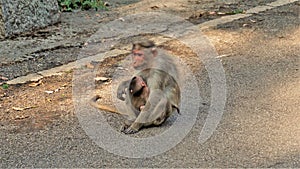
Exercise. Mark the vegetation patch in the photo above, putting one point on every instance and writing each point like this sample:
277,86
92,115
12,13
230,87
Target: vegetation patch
69,5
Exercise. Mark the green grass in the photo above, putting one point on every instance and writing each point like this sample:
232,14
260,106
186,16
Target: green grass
69,5
237,11
5,86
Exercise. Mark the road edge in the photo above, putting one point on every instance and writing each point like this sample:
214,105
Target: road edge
206,25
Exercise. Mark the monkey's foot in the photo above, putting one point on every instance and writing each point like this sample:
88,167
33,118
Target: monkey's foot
130,131
124,127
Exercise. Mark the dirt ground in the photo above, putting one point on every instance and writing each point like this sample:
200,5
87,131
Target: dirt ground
46,104
59,44
36,105
29,106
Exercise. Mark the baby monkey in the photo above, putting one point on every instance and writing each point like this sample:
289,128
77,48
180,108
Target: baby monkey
138,92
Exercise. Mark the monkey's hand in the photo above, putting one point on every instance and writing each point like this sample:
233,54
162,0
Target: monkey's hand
134,128
130,131
124,127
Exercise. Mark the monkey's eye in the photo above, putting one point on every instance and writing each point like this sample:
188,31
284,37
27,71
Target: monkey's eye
138,54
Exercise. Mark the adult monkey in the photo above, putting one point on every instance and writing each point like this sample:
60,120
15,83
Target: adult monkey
161,75
148,104
145,55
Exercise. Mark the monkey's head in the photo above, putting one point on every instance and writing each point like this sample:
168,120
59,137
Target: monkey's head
137,85
143,53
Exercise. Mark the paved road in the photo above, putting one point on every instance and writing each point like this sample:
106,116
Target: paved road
260,126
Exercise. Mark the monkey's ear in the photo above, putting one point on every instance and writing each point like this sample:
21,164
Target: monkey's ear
154,52
143,83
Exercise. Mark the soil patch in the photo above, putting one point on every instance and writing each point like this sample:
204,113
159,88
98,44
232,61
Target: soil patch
39,105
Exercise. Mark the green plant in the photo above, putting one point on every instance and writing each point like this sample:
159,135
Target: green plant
5,86
237,11
69,5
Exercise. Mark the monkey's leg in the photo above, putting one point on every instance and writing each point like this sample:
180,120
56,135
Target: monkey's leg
130,114
153,113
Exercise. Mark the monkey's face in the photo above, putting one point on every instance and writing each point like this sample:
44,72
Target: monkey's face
142,58
138,59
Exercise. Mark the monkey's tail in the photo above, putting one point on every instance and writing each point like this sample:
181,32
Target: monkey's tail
102,107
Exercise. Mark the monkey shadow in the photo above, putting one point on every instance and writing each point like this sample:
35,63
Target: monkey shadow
116,121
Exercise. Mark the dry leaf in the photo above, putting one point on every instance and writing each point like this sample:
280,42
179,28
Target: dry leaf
49,91
221,13
18,108
212,13
154,7
34,84
90,66
21,108
102,79
21,117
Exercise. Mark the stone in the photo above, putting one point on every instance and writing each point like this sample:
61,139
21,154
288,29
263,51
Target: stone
24,79
18,16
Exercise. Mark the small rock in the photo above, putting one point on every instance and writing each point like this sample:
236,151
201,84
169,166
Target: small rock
122,19
106,4
3,78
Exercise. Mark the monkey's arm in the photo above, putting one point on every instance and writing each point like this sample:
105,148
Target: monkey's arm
122,89
154,112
